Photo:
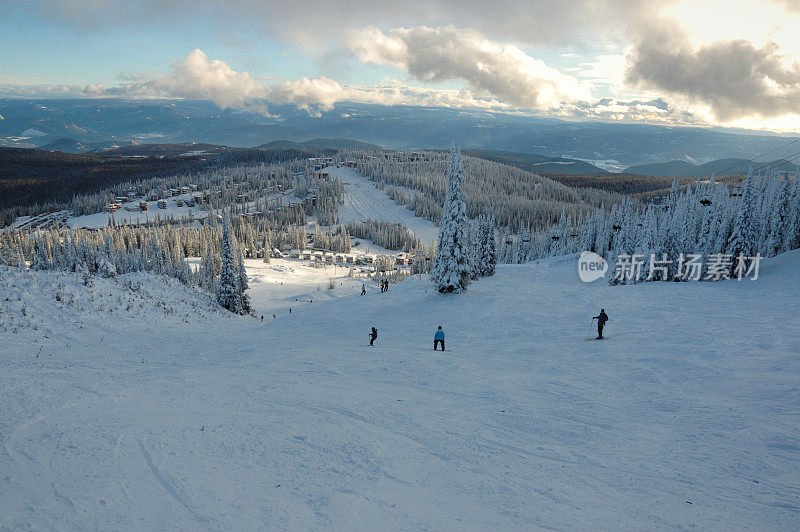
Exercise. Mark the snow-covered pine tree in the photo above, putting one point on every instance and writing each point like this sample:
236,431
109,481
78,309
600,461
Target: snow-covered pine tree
451,268
41,258
591,229
603,241
241,274
792,225
208,271
228,291
10,254
488,259
778,212
743,234
477,228
267,245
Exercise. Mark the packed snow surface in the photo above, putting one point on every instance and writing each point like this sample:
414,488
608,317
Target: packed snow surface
149,409
286,283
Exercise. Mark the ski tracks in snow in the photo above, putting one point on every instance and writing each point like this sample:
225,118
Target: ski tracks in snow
173,493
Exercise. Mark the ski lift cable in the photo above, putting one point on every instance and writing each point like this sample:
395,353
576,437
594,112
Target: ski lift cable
759,156
775,164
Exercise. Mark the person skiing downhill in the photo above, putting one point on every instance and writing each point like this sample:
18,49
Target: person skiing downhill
363,289
438,338
602,318
373,335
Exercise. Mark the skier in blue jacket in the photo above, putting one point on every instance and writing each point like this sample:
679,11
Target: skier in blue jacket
438,338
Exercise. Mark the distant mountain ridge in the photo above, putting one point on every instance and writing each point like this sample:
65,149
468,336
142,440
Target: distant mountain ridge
38,123
68,145
539,164
719,167
321,144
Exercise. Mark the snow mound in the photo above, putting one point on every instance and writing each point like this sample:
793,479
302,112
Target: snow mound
51,302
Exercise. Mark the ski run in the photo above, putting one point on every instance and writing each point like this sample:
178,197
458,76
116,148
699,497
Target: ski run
135,402
247,387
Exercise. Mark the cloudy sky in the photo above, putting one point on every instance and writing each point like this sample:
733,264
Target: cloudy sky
720,62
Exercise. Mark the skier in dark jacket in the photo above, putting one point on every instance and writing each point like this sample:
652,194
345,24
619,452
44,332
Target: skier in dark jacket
602,318
363,289
373,335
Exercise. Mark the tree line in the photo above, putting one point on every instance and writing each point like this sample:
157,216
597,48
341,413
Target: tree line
34,182
512,196
710,220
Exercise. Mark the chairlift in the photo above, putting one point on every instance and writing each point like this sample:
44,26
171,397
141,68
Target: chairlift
555,237
705,202
617,227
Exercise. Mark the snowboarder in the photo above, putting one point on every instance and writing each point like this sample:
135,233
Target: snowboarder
438,338
373,335
602,318
363,289
262,317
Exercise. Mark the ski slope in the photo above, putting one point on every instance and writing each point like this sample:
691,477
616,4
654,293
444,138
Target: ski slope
285,284
152,410
363,201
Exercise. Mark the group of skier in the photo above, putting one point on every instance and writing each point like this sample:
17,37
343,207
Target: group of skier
438,337
384,285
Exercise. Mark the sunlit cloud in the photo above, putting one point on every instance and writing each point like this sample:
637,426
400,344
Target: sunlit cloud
450,53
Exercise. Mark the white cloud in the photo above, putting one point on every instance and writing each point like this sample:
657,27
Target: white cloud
321,93
732,79
427,45
604,68
198,77
449,53
315,23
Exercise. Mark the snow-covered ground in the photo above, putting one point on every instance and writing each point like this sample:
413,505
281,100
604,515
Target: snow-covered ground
285,284
363,201
152,410
136,217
